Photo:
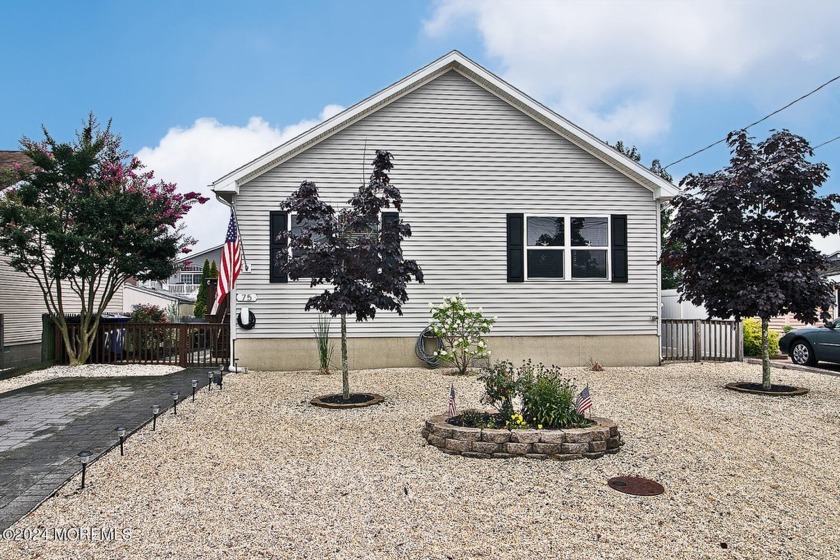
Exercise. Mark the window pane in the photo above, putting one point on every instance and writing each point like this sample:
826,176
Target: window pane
545,232
297,229
589,232
545,263
589,263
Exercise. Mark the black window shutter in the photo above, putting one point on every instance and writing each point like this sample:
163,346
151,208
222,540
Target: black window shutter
515,248
390,221
390,224
278,221
618,245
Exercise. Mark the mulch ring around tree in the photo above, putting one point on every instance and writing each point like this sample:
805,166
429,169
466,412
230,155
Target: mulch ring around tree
775,390
356,400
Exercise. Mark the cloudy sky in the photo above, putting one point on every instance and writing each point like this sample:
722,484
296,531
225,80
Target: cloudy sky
198,88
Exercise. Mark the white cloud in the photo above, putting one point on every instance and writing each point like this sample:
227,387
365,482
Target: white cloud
196,156
827,245
616,68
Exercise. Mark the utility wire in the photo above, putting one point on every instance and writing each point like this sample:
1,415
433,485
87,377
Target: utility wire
824,143
797,100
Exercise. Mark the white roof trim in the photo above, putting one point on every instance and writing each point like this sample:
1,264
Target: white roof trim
190,256
660,188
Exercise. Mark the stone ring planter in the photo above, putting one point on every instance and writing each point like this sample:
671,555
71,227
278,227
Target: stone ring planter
485,443
357,400
775,390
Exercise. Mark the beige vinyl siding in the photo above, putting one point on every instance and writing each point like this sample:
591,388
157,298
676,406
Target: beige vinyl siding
463,160
22,304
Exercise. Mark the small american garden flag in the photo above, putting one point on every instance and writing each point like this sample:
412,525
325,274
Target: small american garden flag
453,410
583,401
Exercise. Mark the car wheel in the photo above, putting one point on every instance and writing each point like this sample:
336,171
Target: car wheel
802,354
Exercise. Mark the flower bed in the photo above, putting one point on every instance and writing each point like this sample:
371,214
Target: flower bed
484,443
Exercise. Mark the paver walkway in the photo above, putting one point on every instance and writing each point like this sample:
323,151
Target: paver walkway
43,427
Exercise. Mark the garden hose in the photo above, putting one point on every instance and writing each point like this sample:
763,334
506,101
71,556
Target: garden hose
420,348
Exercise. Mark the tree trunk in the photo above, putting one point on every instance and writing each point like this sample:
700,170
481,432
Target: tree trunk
765,355
345,376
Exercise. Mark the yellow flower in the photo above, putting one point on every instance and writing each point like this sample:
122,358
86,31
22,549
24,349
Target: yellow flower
539,426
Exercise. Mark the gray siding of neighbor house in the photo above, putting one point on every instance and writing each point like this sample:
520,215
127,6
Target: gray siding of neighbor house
22,304
463,160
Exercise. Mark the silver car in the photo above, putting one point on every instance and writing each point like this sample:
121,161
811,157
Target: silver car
809,345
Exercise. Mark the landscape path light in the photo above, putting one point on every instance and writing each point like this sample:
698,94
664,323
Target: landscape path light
194,385
121,434
221,375
175,395
209,380
155,412
84,457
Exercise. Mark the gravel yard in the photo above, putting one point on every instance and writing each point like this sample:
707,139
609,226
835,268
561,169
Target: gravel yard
254,471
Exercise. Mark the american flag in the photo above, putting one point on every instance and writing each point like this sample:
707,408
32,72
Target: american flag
583,401
231,263
453,410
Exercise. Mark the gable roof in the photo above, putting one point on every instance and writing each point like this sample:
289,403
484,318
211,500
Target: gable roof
193,256
159,293
454,61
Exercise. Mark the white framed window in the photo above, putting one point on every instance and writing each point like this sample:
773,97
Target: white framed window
567,247
296,228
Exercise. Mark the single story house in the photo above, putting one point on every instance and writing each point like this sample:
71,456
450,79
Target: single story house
527,215
138,295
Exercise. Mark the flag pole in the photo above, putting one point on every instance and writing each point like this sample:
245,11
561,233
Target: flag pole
232,291
239,234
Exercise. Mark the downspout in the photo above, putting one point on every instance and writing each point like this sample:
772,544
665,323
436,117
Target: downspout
659,277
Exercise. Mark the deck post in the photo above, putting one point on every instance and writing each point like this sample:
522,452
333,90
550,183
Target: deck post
697,340
182,345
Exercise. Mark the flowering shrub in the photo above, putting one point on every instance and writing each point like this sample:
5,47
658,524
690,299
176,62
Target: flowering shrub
147,313
547,399
461,329
148,342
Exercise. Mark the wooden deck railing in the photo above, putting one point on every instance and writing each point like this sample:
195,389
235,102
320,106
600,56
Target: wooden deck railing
697,340
183,344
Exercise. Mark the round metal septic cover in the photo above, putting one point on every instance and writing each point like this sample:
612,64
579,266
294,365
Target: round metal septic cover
636,486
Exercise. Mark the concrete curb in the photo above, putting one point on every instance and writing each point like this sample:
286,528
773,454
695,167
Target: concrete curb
787,365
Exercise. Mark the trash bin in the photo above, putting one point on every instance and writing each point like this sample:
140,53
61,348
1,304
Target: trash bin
113,345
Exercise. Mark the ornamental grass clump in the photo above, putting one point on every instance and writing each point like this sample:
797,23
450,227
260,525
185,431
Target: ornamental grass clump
545,398
461,330
323,342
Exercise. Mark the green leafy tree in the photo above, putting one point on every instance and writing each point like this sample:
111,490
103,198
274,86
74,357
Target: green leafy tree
214,275
742,235
84,219
670,277
201,298
361,262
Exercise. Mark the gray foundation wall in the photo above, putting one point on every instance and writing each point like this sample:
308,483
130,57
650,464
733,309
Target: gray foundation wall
20,355
295,354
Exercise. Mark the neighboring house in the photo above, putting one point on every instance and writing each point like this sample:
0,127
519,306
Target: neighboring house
137,295
519,210
21,301
186,280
